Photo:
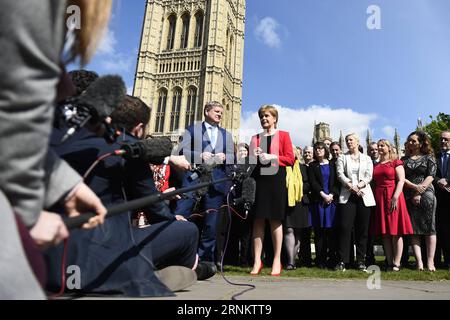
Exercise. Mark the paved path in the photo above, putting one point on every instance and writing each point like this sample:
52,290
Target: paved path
268,288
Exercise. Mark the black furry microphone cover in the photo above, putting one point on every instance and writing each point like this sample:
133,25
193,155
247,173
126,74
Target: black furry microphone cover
103,96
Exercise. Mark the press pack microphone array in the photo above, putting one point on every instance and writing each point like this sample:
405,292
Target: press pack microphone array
241,178
94,105
153,150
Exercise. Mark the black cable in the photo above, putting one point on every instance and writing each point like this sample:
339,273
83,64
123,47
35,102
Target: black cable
77,222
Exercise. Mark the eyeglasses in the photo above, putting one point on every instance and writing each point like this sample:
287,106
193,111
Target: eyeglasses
320,148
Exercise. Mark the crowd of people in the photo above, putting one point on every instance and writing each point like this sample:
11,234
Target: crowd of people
352,200
344,199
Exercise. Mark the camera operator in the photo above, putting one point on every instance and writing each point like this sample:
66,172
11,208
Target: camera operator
117,256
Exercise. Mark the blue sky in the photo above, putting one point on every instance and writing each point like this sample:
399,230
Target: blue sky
318,60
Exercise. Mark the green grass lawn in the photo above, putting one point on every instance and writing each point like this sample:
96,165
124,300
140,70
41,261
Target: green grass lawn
316,273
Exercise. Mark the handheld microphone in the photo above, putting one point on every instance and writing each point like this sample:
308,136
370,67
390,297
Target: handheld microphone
153,150
203,171
247,195
94,105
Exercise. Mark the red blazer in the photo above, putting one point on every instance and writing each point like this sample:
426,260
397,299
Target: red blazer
281,146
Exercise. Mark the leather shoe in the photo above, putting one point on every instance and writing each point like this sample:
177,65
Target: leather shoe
205,270
176,278
340,266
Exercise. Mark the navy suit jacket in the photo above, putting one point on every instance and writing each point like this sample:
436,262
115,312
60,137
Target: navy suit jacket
441,194
196,141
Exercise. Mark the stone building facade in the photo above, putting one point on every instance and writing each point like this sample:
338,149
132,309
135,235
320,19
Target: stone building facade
191,52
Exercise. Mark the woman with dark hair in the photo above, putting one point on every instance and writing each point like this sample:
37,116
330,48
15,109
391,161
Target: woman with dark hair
272,150
420,169
324,193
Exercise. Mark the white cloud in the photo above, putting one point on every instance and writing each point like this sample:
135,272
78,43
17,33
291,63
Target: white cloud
110,59
117,63
108,43
267,32
388,131
300,123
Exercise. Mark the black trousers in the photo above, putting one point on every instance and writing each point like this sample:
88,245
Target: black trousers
443,227
353,214
323,242
304,254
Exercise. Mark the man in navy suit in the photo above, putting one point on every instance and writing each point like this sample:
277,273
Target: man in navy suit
207,143
442,184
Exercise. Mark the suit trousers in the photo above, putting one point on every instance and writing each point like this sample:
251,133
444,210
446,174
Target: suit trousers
207,225
353,214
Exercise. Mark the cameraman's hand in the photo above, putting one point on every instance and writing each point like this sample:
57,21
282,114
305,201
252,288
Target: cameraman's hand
83,199
49,230
170,190
180,162
180,218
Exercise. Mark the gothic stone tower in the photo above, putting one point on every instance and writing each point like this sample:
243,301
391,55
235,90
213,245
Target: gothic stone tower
321,132
191,52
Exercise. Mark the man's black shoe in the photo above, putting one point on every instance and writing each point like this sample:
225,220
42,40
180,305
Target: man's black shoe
340,267
361,266
205,270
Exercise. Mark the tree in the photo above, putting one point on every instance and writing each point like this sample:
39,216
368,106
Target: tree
435,127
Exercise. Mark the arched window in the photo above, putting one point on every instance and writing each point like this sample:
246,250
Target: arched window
185,31
198,30
161,111
171,34
230,53
226,48
191,106
175,113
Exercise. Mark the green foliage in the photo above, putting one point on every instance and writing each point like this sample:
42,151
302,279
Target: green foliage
435,127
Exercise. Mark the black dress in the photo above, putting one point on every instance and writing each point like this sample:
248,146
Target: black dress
423,216
298,216
271,191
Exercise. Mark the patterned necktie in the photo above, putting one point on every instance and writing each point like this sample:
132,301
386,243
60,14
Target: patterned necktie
444,164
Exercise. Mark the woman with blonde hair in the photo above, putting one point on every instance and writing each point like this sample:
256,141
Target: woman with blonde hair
354,171
391,218
272,151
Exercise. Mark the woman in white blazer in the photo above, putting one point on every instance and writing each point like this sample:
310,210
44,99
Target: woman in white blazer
354,171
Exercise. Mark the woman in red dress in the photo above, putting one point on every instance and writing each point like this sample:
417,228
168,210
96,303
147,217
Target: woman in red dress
391,218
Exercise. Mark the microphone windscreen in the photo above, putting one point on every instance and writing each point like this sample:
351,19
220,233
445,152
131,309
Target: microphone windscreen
156,149
249,190
104,95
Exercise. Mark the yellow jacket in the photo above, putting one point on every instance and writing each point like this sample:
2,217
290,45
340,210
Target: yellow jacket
294,184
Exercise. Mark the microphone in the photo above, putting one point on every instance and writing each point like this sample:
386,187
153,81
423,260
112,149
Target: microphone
94,105
247,194
202,171
153,150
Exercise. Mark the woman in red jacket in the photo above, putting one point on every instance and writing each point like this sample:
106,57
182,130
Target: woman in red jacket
272,151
